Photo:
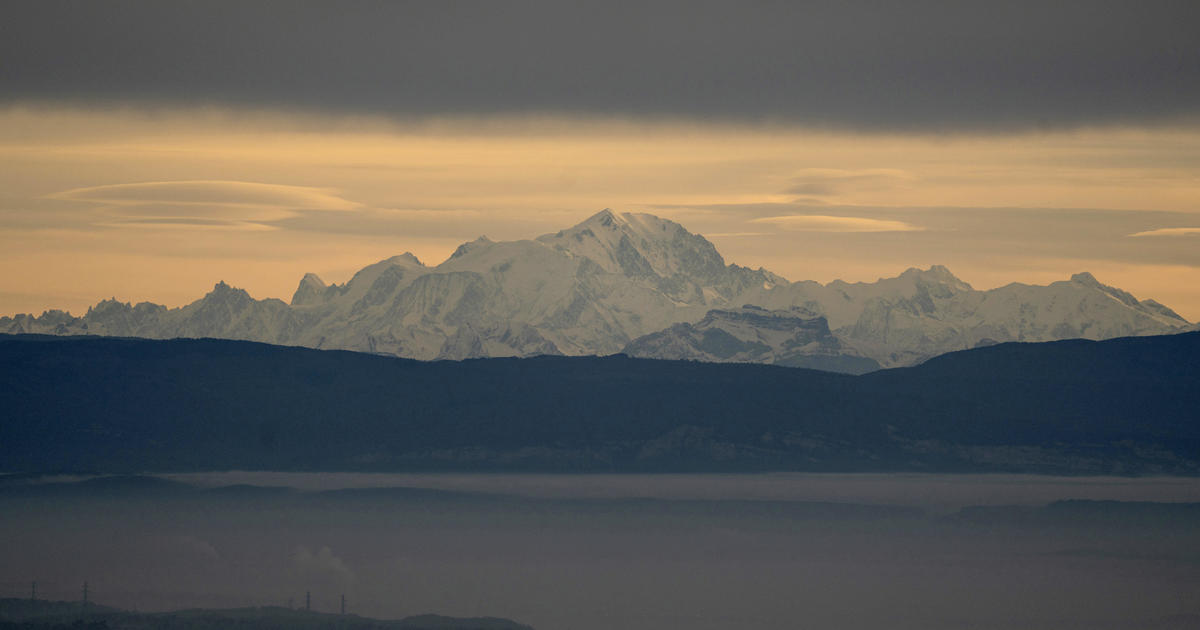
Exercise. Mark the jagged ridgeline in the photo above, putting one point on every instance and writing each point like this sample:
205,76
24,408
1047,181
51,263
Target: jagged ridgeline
639,284
124,405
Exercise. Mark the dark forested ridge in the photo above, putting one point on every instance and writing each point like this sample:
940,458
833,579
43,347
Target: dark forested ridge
1124,406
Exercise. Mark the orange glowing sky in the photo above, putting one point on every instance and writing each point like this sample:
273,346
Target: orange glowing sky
159,203
149,149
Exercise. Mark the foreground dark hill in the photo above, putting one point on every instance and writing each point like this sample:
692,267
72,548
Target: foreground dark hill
24,614
1127,405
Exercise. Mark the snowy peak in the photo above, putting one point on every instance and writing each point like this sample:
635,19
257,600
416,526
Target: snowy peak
368,279
1087,280
222,299
484,255
310,291
473,246
936,275
104,307
407,259
1155,307
223,293
639,245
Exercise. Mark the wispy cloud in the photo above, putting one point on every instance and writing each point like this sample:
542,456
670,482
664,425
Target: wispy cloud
1179,231
188,223
823,223
724,234
820,182
988,205
205,192
203,204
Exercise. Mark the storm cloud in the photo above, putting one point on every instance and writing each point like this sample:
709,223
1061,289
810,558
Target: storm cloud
915,66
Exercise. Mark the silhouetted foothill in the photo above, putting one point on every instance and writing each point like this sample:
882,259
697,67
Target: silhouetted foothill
1122,406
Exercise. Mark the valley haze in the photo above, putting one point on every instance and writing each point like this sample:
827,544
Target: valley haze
643,552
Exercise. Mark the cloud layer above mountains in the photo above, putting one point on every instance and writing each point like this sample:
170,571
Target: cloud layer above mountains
157,205
148,149
910,66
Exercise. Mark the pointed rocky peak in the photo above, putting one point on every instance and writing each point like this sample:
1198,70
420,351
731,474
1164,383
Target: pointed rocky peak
602,227
107,307
605,218
628,223
938,275
310,291
144,308
467,248
940,271
113,317
56,316
224,293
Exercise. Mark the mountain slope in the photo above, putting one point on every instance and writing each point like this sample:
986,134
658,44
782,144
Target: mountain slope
595,287
795,338
1112,407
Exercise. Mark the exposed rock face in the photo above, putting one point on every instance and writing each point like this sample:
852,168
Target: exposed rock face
795,338
614,279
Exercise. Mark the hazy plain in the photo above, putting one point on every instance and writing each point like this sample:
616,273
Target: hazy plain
624,551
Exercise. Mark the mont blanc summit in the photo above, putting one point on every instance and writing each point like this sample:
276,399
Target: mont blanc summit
635,283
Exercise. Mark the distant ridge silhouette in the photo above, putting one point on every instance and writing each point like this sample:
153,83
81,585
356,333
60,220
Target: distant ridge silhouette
1122,406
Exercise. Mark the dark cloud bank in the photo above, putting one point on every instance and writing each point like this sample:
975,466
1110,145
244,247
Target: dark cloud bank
872,65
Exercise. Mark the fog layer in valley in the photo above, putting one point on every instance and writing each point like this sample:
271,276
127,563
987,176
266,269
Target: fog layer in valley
631,551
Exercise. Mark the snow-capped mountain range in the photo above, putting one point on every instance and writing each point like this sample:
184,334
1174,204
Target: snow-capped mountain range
635,283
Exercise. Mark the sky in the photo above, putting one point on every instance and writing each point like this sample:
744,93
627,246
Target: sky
149,149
